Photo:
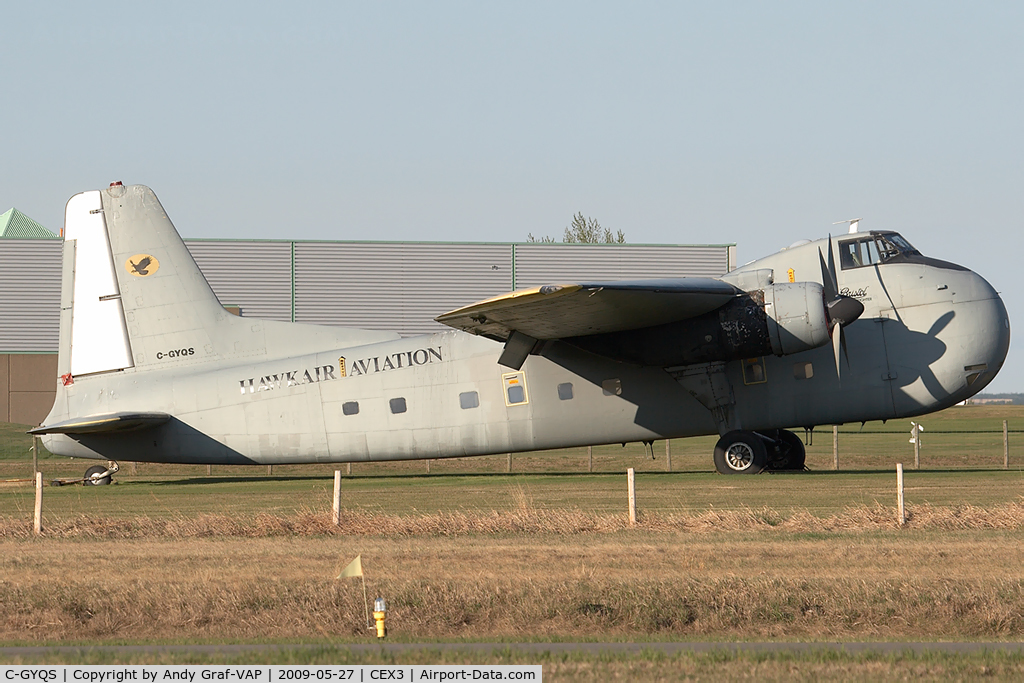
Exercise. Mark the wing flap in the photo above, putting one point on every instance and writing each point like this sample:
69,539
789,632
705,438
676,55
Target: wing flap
576,310
98,424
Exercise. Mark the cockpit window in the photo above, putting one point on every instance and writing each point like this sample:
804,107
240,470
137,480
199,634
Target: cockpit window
872,249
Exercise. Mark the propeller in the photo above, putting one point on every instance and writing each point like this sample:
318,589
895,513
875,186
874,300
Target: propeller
840,310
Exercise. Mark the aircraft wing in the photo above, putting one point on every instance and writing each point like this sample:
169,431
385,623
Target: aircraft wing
574,310
111,422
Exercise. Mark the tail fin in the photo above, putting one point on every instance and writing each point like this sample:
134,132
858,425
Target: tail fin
139,301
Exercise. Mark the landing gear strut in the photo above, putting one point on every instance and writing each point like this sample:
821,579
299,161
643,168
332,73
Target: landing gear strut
98,475
741,452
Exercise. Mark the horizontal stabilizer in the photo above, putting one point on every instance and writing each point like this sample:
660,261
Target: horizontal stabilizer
574,310
111,422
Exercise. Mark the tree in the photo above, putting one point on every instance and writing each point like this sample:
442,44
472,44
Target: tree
539,240
584,230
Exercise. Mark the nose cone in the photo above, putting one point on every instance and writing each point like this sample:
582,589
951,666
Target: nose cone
985,350
948,346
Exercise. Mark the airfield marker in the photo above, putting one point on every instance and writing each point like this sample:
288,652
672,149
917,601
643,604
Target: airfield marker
915,438
901,511
668,455
1006,447
336,507
631,487
835,447
38,521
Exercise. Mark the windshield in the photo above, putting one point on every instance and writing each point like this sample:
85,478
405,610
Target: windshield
872,249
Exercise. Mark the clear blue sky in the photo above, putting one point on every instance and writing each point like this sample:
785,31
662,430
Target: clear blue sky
756,123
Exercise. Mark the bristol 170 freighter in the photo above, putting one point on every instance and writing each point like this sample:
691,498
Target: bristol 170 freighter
153,369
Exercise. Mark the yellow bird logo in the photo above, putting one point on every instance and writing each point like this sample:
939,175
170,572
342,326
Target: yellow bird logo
142,265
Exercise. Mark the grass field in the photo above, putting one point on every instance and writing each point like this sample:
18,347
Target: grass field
468,552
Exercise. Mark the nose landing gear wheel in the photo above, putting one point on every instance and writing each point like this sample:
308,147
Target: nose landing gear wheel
740,453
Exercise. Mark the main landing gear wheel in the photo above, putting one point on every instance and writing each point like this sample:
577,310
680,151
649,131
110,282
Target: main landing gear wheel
93,476
789,452
740,453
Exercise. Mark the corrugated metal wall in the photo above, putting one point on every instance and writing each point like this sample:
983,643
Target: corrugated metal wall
256,276
385,285
394,286
541,264
29,294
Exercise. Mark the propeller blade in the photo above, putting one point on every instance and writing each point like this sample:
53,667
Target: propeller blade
826,279
837,341
846,353
832,266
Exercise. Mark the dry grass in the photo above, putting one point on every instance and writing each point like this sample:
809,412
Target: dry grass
441,589
523,518
522,573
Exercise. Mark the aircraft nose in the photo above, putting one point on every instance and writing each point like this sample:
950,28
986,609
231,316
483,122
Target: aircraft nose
990,342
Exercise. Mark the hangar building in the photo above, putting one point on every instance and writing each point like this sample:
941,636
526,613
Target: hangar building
397,286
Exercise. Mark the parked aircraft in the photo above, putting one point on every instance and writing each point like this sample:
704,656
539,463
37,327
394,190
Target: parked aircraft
153,369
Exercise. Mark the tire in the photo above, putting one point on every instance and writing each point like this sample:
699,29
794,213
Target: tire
740,453
96,469
790,453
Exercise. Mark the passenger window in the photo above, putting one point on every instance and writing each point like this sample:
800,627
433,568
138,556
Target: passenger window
469,399
803,370
612,387
565,391
397,405
515,388
350,408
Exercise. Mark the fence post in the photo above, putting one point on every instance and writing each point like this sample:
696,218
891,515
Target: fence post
590,458
35,451
508,465
428,465
336,506
135,468
631,486
668,455
270,469
209,469
1006,447
901,511
348,469
38,519
835,447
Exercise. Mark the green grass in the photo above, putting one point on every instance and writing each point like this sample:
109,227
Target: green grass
821,494
956,469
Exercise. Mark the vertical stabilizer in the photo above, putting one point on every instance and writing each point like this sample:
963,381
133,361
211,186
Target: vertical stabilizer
173,316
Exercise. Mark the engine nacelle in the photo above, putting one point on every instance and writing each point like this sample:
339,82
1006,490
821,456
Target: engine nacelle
778,319
797,320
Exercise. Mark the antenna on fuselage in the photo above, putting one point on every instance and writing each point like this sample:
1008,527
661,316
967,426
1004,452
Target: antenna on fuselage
853,224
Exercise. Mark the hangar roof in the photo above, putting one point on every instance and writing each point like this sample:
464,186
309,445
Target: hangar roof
14,224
